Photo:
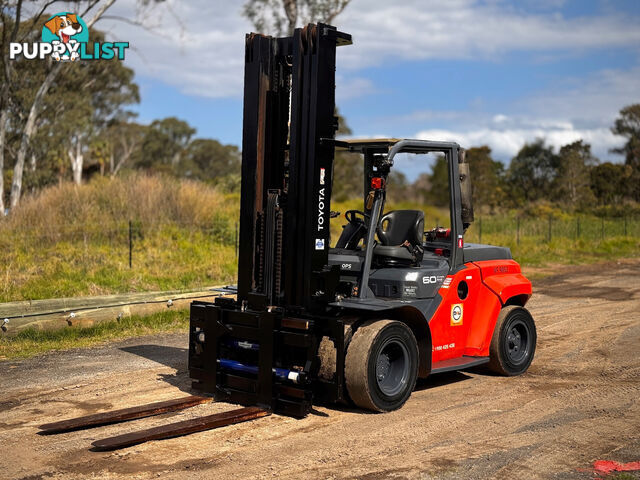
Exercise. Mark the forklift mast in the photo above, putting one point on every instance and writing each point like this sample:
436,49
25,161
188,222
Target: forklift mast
287,167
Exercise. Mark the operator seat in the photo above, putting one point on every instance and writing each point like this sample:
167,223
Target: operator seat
400,234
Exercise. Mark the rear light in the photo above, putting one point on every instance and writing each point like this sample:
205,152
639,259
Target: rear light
438,251
377,183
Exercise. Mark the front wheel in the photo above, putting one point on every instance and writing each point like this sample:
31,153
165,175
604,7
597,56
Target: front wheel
514,341
381,365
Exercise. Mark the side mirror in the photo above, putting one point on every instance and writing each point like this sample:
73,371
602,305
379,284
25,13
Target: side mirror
465,189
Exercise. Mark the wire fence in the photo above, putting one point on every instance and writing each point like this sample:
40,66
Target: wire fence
132,240
130,236
547,229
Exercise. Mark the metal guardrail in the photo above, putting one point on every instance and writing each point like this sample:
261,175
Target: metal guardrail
87,311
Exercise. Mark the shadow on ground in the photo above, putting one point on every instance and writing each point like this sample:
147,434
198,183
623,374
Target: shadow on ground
177,358
172,357
440,379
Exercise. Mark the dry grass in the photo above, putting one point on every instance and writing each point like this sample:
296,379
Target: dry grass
146,198
71,241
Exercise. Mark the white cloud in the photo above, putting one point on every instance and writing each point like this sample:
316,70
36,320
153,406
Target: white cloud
461,29
587,101
505,143
352,87
578,108
198,45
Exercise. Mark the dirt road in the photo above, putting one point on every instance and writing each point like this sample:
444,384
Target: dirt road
579,402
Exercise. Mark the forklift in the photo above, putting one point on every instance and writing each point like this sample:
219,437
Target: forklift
357,322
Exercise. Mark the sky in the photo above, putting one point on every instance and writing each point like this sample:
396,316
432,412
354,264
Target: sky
490,72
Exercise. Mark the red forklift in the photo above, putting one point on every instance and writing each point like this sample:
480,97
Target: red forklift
357,321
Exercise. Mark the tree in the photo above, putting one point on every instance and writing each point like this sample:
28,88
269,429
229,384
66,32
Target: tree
209,160
628,125
27,109
439,191
574,178
610,182
397,187
164,144
487,178
348,168
122,139
102,89
11,31
280,17
30,124
420,188
4,119
83,99
532,173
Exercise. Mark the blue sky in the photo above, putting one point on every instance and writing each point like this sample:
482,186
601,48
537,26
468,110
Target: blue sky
478,72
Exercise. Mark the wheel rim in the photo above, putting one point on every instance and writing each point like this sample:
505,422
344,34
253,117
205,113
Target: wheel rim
517,342
392,367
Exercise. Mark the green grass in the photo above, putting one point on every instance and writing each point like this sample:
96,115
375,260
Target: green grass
574,239
167,258
70,241
29,343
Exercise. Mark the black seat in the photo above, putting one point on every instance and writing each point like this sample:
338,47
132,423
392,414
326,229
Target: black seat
400,234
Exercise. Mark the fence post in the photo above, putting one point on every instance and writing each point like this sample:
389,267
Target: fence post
549,235
236,240
130,242
480,230
517,230
602,228
577,228
625,225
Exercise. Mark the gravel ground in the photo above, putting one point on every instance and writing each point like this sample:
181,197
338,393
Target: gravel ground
578,403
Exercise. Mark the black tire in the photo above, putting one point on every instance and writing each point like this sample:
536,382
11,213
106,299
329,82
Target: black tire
513,344
381,365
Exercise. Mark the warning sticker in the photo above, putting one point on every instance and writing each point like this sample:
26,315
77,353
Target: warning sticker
410,291
456,314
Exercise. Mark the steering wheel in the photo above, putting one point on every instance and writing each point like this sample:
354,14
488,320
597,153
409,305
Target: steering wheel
350,215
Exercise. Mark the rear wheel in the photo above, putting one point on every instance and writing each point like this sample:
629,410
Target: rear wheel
381,365
514,341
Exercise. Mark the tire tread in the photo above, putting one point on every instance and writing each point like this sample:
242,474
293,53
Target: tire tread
496,361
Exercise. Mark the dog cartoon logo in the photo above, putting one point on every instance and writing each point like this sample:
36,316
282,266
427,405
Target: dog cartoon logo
65,31
65,37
